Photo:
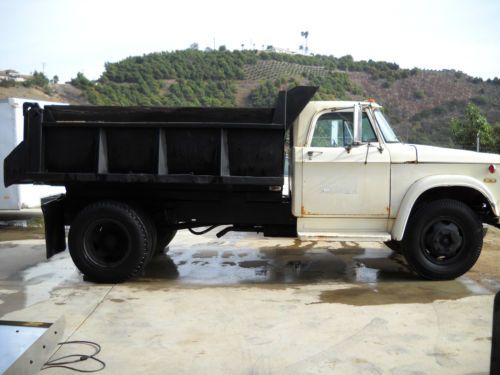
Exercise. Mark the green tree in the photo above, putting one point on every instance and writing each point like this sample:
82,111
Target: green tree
464,130
38,79
496,135
81,81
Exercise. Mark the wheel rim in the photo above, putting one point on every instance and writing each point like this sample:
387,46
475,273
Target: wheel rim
107,243
442,240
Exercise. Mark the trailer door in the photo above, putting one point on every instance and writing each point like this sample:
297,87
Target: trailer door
9,197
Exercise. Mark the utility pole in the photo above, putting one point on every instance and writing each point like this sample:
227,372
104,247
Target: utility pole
43,68
477,141
305,34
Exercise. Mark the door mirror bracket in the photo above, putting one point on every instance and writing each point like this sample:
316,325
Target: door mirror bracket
349,146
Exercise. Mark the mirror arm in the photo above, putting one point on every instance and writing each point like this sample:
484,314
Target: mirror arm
367,149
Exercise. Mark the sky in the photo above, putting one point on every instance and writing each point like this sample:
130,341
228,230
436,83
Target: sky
63,37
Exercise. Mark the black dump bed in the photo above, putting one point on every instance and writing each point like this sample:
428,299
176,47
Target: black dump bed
70,144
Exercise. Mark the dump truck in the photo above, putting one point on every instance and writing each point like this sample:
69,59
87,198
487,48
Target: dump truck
134,176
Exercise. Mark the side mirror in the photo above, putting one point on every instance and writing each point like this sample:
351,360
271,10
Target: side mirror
357,127
357,123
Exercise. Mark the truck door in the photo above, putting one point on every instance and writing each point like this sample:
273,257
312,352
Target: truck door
341,179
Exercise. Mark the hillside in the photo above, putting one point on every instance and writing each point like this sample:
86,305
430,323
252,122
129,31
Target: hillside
420,103
63,93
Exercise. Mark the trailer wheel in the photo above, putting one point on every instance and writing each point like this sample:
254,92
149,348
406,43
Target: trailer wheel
443,240
165,236
109,242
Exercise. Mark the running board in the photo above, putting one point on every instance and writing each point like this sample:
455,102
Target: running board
345,236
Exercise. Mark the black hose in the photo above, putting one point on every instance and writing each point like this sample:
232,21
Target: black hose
203,231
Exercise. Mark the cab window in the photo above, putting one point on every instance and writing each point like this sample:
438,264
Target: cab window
335,129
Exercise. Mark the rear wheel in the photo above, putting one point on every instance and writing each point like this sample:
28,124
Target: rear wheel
109,242
443,240
150,230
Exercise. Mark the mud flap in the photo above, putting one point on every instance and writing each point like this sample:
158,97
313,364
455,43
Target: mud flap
53,217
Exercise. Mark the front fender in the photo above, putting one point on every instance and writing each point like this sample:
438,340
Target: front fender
431,182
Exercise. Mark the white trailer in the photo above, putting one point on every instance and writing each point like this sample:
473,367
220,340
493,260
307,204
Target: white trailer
18,201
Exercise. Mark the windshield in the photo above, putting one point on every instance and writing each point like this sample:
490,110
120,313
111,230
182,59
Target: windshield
385,127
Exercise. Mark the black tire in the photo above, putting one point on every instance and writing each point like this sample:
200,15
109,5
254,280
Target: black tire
443,240
151,231
165,236
109,242
485,231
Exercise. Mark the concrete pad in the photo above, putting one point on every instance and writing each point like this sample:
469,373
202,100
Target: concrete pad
248,305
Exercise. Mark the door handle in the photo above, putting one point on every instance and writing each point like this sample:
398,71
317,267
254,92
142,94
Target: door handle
310,154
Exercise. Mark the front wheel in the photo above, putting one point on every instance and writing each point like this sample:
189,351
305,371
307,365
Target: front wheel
443,240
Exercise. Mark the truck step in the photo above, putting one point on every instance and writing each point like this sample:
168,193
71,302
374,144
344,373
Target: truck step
345,236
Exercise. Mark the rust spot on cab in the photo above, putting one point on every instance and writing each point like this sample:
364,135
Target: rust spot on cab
322,238
304,212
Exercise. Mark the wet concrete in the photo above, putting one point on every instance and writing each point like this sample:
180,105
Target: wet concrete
375,275
277,306
392,293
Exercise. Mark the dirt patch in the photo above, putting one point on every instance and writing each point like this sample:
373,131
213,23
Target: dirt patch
25,92
15,233
243,91
386,293
58,93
